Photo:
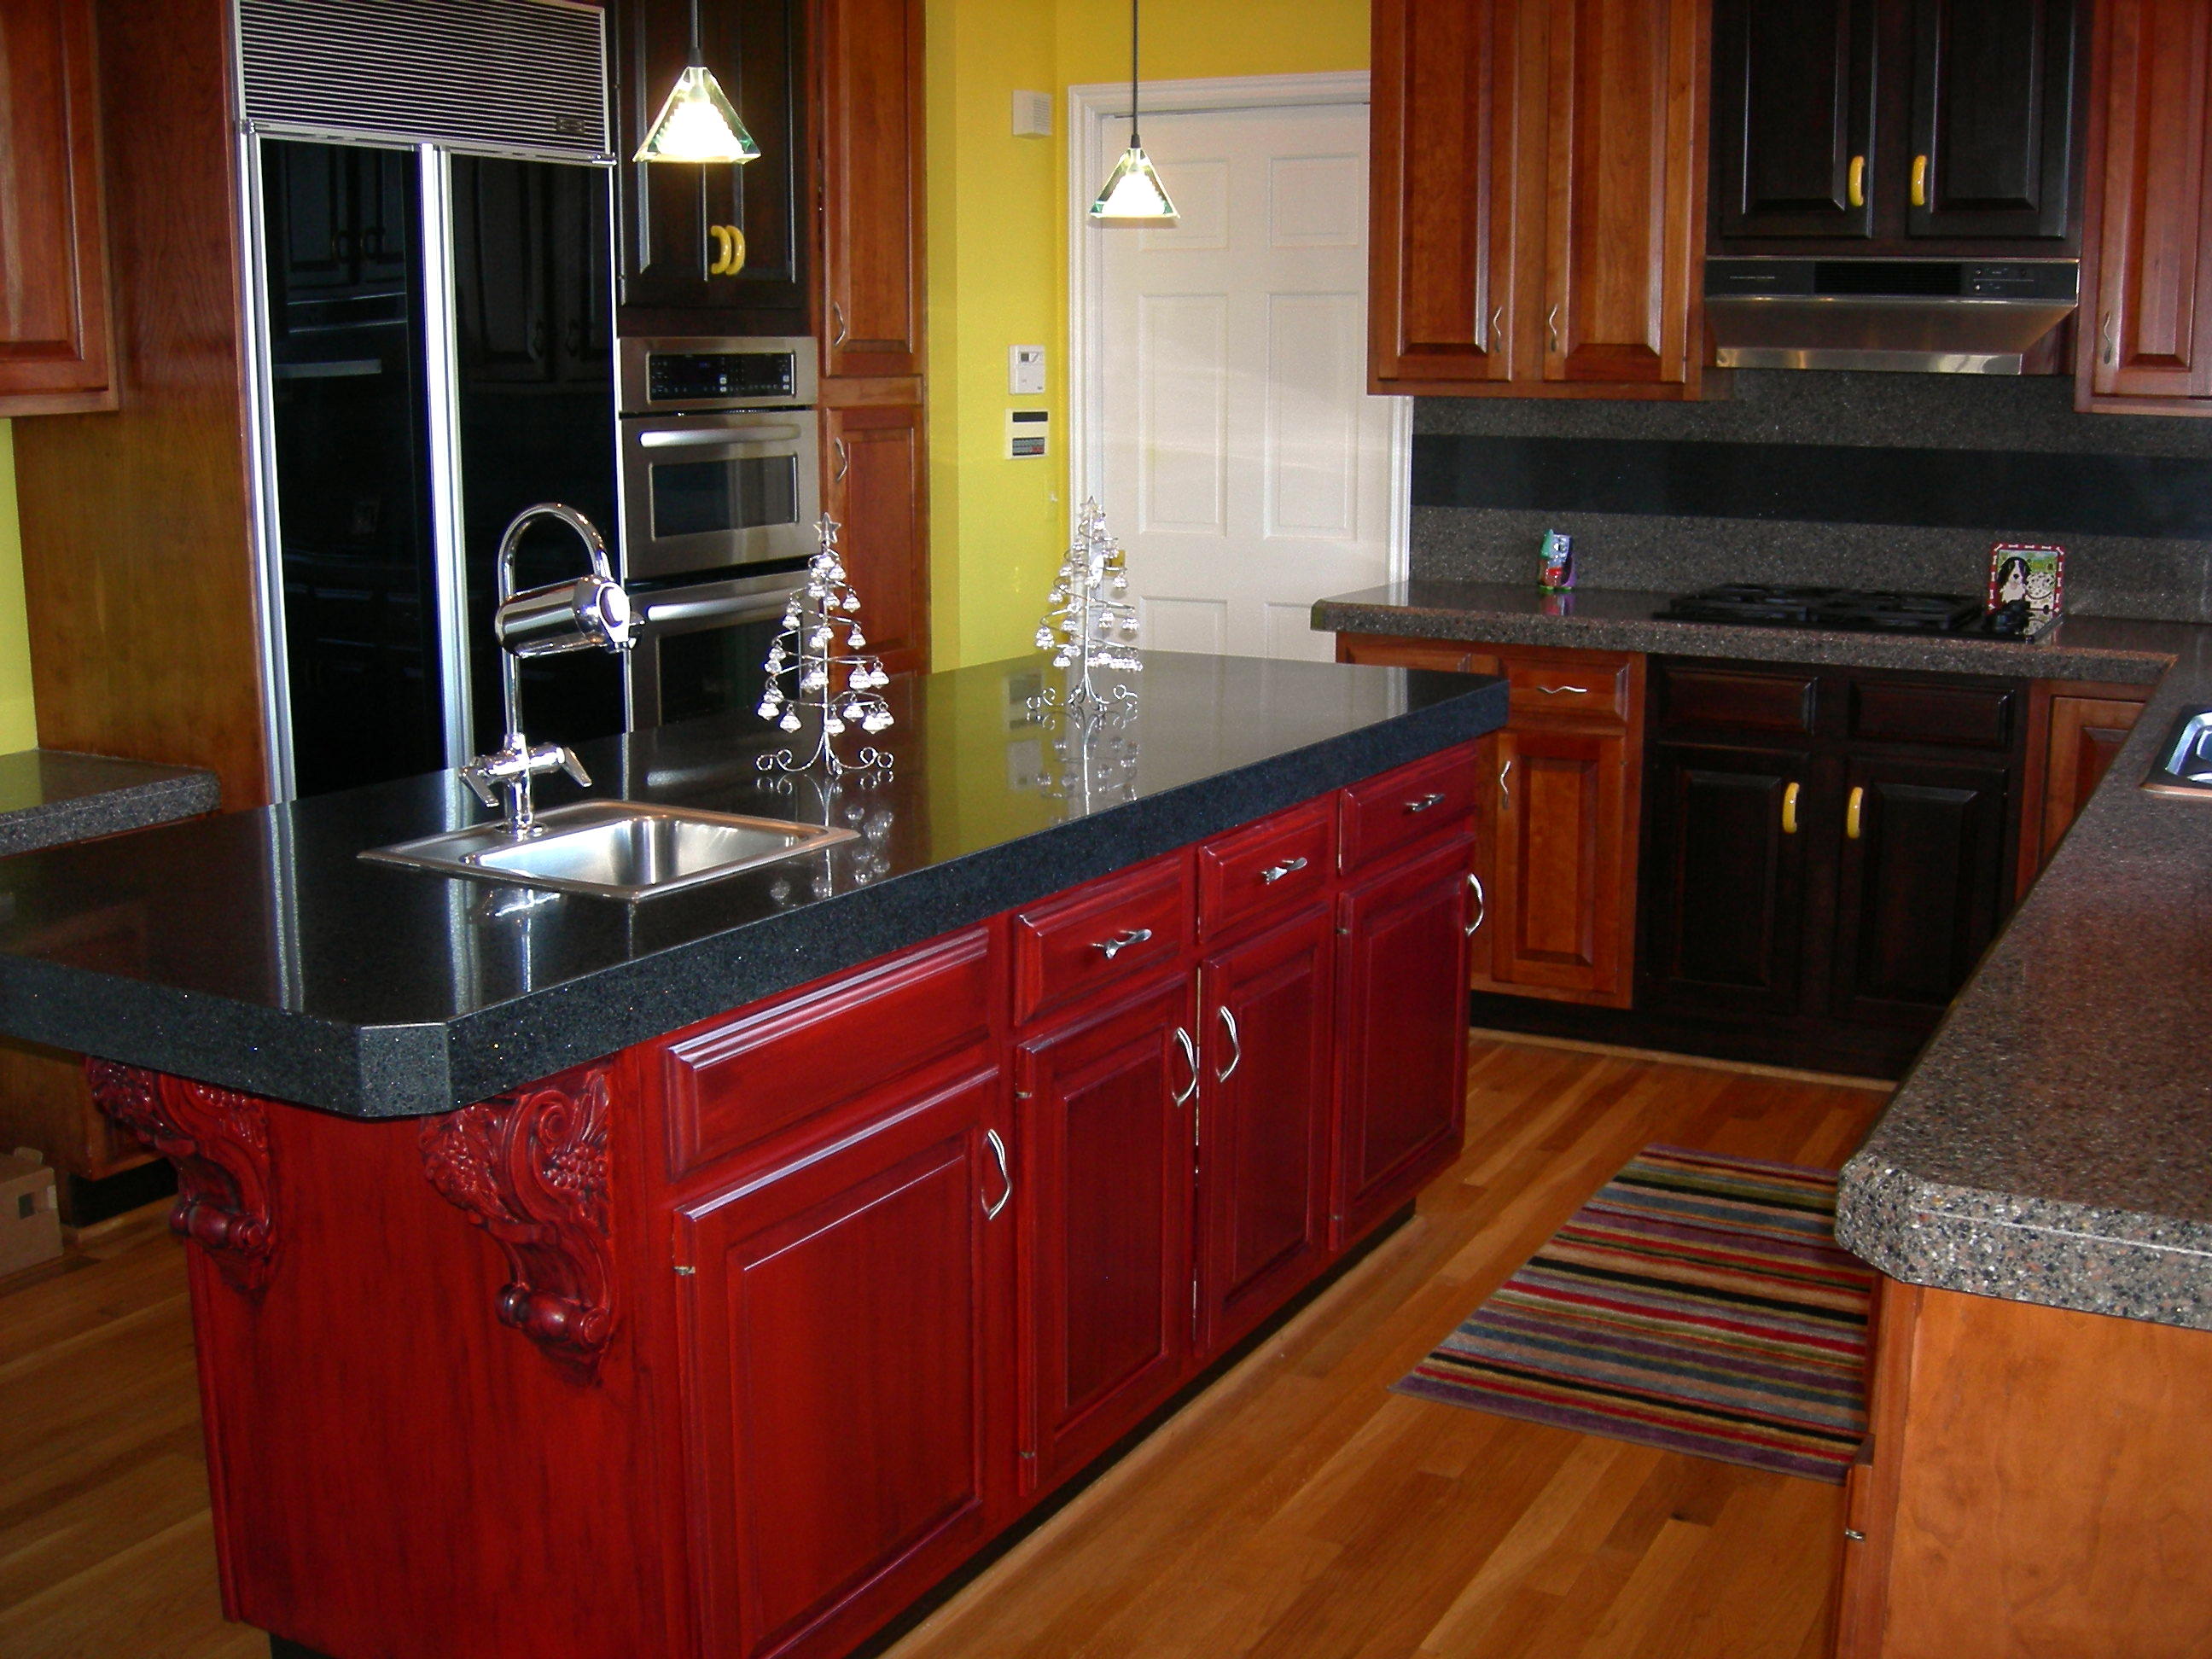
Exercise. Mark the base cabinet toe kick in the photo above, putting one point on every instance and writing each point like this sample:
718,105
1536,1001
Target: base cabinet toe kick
739,1340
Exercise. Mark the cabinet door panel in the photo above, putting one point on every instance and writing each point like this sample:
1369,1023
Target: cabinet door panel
1442,200
756,49
1625,213
2146,325
1920,886
848,1370
1724,884
1263,1132
1560,824
874,490
1793,111
1993,115
2086,736
871,105
1401,1034
1104,1197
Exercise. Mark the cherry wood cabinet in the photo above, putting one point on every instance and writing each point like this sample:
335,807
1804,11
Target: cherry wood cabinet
1905,126
877,487
2144,339
1553,861
1103,1120
869,92
2075,731
678,274
846,1335
1538,200
55,344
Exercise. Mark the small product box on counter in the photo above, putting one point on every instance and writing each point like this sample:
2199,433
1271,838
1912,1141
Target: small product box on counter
30,1220
2032,574
1559,573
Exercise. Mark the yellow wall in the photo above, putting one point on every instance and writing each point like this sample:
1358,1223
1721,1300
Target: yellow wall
18,730
997,261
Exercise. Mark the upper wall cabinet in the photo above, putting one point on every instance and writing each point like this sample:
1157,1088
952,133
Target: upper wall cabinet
55,346
722,237
2145,334
870,96
1920,126
1539,197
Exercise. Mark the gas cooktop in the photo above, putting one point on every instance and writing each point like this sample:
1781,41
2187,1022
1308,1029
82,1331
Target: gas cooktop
1857,610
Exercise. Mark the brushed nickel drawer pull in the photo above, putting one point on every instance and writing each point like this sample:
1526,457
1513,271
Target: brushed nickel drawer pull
1551,327
1554,690
1505,791
999,1151
1276,873
1114,947
1189,1059
1481,906
1236,1044
1433,798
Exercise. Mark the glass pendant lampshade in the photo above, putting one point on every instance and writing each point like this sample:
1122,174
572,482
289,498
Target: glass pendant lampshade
1134,193
698,123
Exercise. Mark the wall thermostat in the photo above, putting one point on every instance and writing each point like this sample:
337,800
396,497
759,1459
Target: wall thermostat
1026,371
1027,430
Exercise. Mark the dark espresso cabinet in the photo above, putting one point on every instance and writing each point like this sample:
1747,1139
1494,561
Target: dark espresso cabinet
1826,855
1905,125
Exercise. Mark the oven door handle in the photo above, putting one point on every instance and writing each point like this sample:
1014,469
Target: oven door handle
728,437
721,607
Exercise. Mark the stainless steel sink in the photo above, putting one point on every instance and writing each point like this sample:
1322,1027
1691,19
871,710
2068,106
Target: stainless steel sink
616,848
2184,766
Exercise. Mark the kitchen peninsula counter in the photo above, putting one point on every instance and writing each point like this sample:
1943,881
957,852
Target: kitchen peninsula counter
2053,1142
258,951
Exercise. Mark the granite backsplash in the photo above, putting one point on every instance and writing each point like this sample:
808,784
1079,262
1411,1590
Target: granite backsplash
1849,479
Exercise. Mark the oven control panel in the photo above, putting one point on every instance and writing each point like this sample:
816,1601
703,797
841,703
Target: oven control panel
659,376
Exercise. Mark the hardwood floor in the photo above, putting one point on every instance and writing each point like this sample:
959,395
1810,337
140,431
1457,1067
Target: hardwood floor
1296,1509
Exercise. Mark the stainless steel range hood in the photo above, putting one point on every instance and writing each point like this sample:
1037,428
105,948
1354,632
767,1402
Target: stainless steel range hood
1921,316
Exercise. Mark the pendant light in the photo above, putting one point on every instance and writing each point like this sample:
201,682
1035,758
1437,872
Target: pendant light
698,123
1134,193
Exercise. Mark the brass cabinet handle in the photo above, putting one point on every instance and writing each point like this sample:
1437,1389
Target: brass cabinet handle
1114,947
1482,905
729,251
1790,810
1006,1175
1190,1058
1920,182
1855,811
1856,189
1236,1043
837,316
1275,873
1551,327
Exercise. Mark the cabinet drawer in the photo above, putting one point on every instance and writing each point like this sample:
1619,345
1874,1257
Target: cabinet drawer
1957,716
1580,683
1271,868
1731,700
1394,811
1107,933
732,1084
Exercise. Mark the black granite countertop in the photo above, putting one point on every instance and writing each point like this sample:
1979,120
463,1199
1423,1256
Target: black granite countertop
51,796
2053,1142
257,950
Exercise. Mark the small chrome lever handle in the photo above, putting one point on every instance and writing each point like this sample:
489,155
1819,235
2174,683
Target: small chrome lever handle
1482,905
480,780
1554,690
1275,874
575,768
1189,1059
1114,947
1236,1043
1434,799
999,1151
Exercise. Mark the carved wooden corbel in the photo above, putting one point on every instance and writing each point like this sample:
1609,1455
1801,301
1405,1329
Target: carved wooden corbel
530,1169
218,1139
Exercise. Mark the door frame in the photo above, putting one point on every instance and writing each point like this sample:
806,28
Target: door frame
1090,107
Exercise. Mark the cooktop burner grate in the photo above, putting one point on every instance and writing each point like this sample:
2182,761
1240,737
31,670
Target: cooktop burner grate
1856,610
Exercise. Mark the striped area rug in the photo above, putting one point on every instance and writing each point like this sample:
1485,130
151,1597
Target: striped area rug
1697,1303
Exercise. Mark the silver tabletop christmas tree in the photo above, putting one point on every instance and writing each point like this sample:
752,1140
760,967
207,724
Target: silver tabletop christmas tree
1089,623
821,651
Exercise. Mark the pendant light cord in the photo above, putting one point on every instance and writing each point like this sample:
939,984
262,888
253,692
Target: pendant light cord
1135,143
695,57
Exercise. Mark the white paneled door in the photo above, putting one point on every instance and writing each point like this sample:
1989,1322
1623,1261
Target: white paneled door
1247,470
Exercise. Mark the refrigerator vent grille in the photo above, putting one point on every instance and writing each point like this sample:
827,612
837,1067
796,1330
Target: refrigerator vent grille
520,77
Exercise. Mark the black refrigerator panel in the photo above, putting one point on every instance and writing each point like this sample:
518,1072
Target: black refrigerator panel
534,349
352,485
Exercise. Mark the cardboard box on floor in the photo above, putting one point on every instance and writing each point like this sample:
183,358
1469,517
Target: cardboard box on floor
30,1219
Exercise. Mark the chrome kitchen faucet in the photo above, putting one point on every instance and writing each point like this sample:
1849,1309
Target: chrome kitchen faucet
592,612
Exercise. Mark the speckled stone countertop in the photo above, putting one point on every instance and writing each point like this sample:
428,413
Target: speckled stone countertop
51,796
2053,1142
260,952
